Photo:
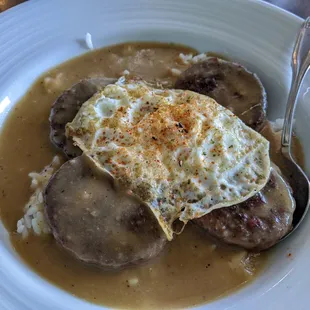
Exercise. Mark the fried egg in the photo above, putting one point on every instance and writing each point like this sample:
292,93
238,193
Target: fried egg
180,152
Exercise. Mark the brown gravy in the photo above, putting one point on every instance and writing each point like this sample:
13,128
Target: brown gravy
192,269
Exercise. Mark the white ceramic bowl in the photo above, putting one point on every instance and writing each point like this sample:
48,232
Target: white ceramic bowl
40,34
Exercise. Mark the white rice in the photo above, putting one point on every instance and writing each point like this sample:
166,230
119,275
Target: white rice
186,60
33,219
88,41
277,125
189,59
125,72
174,72
133,281
54,84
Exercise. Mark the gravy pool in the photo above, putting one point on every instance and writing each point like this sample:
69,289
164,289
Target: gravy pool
191,270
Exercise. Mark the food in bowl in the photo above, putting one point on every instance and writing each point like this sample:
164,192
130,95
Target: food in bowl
164,171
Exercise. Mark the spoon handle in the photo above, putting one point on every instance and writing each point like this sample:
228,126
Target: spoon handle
300,65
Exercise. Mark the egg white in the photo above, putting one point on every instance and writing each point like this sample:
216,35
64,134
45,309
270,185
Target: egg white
180,152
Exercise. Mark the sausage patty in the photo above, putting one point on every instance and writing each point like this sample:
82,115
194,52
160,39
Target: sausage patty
96,222
231,85
65,109
259,222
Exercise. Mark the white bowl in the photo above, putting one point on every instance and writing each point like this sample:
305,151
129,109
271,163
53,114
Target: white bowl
40,34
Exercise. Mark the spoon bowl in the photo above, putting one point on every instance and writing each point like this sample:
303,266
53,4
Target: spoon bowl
301,189
295,175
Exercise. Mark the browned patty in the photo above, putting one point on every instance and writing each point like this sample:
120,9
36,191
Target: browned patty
259,222
231,85
96,222
65,109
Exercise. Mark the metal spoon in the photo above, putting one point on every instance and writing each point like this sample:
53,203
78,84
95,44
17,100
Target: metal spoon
298,179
